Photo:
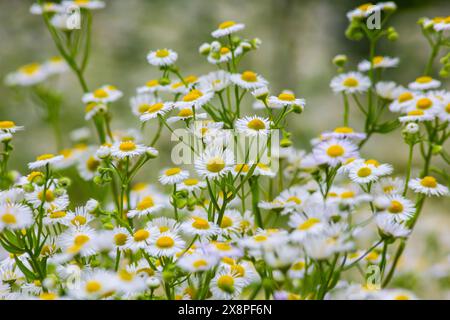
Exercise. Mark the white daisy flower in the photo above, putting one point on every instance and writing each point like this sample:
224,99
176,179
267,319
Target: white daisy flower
27,75
52,200
104,94
147,205
78,241
142,238
151,86
214,162
428,186
129,283
399,208
197,262
378,62
344,132
166,244
231,222
94,108
95,284
226,28
191,185
362,173
403,101
50,7
293,198
54,217
223,55
388,90
79,217
56,65
391,228
351,82
194,99
15,216
253,126
444,113
10,126
165,224
142,102
248,80
416,115
226,286
120,238
88,164
186,114
442,24
242,269
334,151
214,81
162,57
285,99
386,186
45,159
198,225
85,4
173,175
240,169
275,204
128,148
306,226
424,83
427,103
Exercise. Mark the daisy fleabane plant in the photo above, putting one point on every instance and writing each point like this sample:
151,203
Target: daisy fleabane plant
229,221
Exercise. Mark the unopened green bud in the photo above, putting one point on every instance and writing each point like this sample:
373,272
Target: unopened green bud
164,81
284,143
297,108
436,149
64,182
340,60
28,188
108,226
98,180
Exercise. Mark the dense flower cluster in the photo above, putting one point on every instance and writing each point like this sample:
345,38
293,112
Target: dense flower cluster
220,228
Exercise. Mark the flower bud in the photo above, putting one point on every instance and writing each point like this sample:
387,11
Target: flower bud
284,143
64,182
436,149
92,205
164,81
204,49
411,128
340,60
153,282
297,108
215,46
152,153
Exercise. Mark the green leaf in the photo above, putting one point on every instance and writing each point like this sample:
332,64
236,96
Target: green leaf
387,126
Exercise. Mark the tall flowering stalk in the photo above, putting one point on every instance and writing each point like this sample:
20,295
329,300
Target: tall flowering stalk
259,219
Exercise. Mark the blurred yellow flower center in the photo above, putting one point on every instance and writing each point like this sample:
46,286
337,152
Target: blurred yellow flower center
92,164
401,297
81,239
416,113
223,246
100,93
373,162
186,112
58,214
335,151
190,79
343,130
388,189
226,222
224,50
191,182
424,79
120,239
395,207
365,6
192,95
286,97
127,146
162,53
7,124
45,157
226,24
249,76
146,203
372,256
241,168
34,175
165,242
347,194
308,224
163,229
260,238
256,124
152,83
141,235
424,103
377,59
9,218
93,286
298,266
364,172
447,108
139,186
200,263
31,68
155,107
350,82
294,199
200,223
47,296
79,221
226,283
49,196
238,270
405,96
172,171
126,276
429,182
215,165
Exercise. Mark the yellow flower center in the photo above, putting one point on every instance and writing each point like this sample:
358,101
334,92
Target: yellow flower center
172,171
222,246
416,113
238,270
120,239
260,238
224,50
364,172
141,235
350,82
343,130
100,93
154,107
7,124
226,222
192,95
395,207
215,165
46,156
162,53
9,218
377,59
388,189
127,146
347,195
145,203
93,286
200,223
31,68
241,168
190,182
429,182
405,96
372,256
298,266
365,6
81,239
200,263
47,296
294,199
49,196
308,224
165,242
33,175
79,221
373,162
424,103
401,297
424,79
226,283
286,97
92,164
447,108
185,113
226,24
335,151
256,124
152,83
57,214
249,76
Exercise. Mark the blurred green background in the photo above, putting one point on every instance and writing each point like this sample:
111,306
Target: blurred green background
299,40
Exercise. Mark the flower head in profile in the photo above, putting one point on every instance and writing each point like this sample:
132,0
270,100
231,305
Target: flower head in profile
428,185
162,57
351,82
226,28
45,159
104,94
424,83
378,62
285,99
248,80
27,75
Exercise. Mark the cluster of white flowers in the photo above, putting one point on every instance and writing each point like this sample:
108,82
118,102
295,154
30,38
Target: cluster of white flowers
218,228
